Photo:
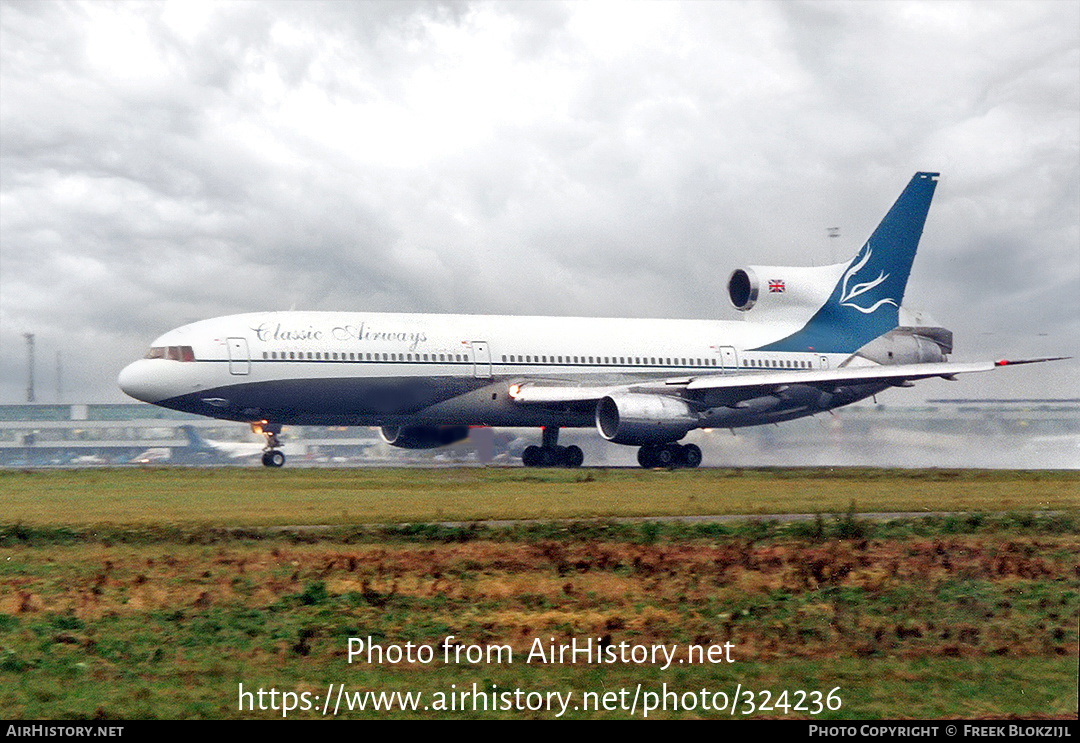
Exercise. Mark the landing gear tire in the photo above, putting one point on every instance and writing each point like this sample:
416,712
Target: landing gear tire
273,458
532,456
670,456
552,456
691,455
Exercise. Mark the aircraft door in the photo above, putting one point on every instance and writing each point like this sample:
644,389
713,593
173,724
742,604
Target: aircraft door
728,358
239,361
481,360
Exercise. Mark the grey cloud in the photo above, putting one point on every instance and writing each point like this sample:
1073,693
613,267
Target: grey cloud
530,158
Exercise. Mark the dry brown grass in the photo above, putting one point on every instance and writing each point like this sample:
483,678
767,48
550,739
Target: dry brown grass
510,592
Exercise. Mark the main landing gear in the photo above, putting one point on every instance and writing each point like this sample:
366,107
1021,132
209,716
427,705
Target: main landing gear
669,455
272,455
550,454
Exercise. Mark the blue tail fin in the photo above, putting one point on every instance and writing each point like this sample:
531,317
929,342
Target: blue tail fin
866,301
195,441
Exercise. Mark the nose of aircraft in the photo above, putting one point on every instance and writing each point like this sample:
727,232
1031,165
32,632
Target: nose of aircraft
139,380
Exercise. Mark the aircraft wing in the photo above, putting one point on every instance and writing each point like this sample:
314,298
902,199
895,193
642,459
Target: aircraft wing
742,385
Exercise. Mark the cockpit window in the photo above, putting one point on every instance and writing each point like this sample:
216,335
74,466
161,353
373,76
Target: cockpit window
172,353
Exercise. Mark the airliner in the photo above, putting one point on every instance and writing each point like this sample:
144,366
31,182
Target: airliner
810,339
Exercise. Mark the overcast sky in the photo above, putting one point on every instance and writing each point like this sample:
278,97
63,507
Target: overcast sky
164,162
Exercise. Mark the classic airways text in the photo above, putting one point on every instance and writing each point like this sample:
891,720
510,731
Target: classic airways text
269,331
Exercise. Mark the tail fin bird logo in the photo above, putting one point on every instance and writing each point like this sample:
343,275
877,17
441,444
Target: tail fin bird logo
848,294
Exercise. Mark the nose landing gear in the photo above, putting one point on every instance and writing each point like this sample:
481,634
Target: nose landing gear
272,456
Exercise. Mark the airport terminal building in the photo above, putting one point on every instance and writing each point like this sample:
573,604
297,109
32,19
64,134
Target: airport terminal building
1010,434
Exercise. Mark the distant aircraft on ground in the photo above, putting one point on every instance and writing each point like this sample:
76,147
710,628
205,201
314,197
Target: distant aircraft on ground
153,455
200,449
812,339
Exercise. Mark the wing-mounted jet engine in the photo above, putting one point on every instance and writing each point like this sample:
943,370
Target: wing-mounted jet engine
423,437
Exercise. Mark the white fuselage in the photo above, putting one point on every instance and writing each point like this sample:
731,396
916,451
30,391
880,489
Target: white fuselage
401,369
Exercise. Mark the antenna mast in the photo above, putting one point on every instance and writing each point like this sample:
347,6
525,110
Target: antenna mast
29,366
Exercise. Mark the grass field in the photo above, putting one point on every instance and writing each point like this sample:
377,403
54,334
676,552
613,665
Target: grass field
257,497
158,593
